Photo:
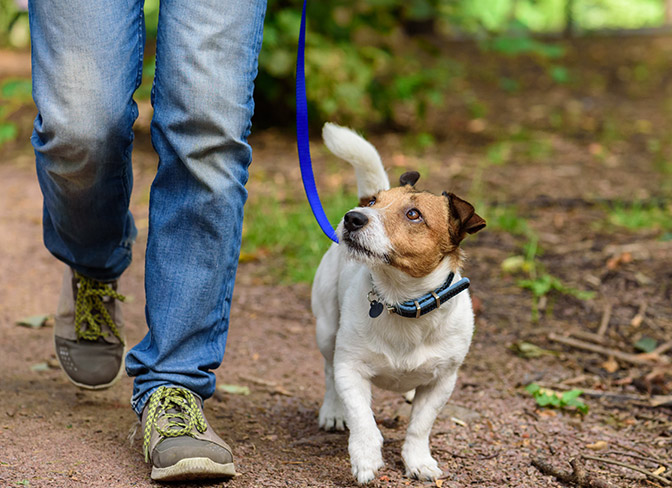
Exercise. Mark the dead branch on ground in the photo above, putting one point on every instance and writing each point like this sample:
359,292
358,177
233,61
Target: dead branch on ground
648,474
578,476
637,359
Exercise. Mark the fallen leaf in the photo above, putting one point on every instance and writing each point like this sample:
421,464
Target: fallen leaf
258,381
40,367
476,126
34,321
234,389
598,446
616,261
646,344
476,305
528,350
279,390
458,421
438,483
513,264
610,365
661,401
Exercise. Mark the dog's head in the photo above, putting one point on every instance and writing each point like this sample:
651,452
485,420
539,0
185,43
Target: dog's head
409,229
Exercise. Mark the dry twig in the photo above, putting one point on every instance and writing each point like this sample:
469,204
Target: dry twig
624,356
578,476
659,479
651,459
604,323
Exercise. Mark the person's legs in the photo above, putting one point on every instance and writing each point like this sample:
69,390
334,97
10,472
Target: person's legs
87,62
205,68
206,63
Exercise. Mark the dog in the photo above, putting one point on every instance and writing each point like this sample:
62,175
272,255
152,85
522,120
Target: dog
391,307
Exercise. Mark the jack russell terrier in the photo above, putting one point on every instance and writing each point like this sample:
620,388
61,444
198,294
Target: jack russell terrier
392,309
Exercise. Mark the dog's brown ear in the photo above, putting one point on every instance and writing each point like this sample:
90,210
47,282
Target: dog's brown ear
469,222
409,178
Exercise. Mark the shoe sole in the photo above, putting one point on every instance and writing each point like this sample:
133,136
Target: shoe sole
194,469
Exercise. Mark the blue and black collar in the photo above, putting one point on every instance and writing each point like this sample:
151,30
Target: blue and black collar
422,305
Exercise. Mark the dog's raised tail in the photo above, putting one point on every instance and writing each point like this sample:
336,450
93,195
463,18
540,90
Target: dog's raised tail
347,144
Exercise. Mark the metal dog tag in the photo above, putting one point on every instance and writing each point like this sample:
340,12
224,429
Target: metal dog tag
376,309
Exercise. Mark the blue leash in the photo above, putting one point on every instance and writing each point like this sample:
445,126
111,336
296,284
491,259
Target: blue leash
302,141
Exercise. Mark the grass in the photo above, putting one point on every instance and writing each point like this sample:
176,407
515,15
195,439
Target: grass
504,218
640,216
286,236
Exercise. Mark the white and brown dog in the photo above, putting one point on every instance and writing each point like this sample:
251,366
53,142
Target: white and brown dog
398,251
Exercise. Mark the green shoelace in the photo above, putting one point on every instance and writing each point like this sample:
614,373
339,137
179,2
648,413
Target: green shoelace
90,312
180,406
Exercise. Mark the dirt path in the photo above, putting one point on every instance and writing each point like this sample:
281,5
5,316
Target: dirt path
52,434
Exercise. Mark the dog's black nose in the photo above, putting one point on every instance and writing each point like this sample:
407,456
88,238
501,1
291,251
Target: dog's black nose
355,220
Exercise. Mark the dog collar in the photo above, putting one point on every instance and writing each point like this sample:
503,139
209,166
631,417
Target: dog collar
422,305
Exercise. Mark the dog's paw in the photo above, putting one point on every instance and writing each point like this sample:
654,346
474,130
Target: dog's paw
365,472
423,469
332,416
366,456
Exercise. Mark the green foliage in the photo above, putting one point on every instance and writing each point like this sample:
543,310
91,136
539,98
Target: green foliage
145,90
286,235
14,93
360,65
17,90
549,398
8,132
504,218
538,281
624,14
640,216
13,25
516,46
546,283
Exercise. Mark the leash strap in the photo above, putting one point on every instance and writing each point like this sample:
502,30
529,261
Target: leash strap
302,140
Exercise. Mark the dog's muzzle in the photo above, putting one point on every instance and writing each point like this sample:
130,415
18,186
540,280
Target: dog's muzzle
354,221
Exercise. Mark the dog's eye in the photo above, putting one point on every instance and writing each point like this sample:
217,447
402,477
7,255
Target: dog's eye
371,202
414,214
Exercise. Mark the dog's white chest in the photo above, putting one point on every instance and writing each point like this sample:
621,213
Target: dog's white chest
406,372
405,381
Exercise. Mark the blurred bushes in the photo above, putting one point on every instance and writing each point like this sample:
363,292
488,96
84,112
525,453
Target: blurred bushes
381,61
364,62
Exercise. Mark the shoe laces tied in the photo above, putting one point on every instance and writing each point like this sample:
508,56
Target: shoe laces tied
90,311
183,415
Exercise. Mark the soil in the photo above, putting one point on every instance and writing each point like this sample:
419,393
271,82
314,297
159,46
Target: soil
53,434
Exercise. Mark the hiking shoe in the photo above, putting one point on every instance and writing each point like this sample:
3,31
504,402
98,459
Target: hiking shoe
178,440
88,331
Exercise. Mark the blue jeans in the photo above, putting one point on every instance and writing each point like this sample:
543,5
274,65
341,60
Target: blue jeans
87,63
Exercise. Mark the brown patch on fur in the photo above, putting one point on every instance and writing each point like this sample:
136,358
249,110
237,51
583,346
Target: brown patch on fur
419,247
364,201
464,219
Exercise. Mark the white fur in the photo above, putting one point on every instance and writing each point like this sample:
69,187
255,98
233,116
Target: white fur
348,145
391,352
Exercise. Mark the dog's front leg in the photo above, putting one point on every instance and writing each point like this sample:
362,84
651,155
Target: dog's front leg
427,403
365,441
